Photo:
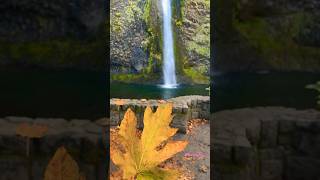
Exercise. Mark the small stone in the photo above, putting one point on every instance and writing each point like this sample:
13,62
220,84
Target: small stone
203,169
161,101
143,100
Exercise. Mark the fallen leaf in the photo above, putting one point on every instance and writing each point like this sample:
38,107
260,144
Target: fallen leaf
203,168
62,167
31,131
141,156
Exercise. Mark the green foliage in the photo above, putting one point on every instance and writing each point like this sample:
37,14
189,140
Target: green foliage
126,77
200,49
54,53
316,87
196,76
122,18
153,43
147,10
178,23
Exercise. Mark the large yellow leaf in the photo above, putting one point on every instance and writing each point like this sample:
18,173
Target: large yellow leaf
128,137
141,156
62,167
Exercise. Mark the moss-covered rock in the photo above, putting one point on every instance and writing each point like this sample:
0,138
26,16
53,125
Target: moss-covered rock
193,41
54,54
191,55
256,35
53,34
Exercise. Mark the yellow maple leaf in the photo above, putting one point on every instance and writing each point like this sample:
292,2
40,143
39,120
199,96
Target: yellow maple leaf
62,167
141,156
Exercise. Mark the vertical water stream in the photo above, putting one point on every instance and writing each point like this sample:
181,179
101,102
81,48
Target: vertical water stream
169,74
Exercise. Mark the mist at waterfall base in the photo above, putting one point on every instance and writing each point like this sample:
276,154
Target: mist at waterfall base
169,74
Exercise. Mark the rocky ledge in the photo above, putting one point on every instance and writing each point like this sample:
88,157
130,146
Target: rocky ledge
269,143
184,109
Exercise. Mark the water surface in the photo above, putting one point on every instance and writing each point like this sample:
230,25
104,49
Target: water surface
238,90
147,91
47,93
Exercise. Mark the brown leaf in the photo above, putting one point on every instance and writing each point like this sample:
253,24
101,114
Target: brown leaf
62,167
31,131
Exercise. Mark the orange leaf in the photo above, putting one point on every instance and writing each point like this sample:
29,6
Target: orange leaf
31,131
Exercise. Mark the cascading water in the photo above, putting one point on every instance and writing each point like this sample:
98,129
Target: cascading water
169,73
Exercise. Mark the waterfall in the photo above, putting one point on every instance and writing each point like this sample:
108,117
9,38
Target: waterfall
169,73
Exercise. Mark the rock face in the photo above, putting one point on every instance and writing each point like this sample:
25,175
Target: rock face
84,140
195,34
184,109
127,36
267,35
49,19
52,33
136,39
271,143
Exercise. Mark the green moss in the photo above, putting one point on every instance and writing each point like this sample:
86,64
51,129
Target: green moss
126,77
199,49
133,77
276,44
154,39
121,18
54,53
196,76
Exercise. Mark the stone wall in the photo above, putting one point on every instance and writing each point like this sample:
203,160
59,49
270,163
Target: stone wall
85,141
271,143
184,109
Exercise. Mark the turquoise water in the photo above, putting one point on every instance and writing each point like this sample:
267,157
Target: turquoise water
82,94
146,91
